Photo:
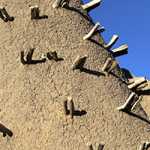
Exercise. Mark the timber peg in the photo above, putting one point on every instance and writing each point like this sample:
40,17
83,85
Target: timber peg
4,15
91,5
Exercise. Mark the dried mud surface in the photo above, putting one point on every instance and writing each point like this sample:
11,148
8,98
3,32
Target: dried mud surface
31,95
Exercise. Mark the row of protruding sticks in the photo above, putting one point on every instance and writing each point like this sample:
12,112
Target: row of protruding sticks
58,3
116,52
144,146
35,15
50,56
61,3
79,62
64,3
133,99
4,130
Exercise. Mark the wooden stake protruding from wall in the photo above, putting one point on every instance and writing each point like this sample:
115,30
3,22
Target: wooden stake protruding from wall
128,104
89,146
91,33
100,147
65,3
106,64
115,63
4,12
147,145
139,98
102,29
4,130
52,55
29,55
122,50
71,106
144,146
79,62
57,4
108,67
61,3
35,12
65,107
22,58
91,5
112,42
137,83
49,56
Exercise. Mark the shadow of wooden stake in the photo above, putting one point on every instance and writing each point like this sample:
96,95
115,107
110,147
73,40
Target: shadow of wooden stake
4,130
29,55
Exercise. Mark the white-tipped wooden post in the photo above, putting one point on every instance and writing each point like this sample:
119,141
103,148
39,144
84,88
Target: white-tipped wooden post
65,107
57,4
71,106
142,147
91,5
54,56
65,3
22,58
147,145
1,15
90,34
4,130
143,85
79,62
3,10
29,56
99,31
89,145
100,147
139,98
49,56
43,56
106,64
112,42
115,63
127,104
122,50
137,82
35,12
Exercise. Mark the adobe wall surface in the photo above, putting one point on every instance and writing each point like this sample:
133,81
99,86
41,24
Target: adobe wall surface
31,96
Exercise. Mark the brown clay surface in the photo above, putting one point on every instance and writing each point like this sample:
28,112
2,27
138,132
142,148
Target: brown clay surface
31,95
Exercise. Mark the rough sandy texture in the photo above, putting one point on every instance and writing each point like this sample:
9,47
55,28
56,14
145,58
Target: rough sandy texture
31,95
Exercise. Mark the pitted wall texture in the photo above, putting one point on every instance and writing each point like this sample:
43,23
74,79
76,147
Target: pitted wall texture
31,96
